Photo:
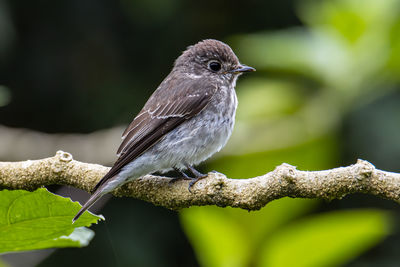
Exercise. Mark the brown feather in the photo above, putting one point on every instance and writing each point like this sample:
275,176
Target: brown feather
166,109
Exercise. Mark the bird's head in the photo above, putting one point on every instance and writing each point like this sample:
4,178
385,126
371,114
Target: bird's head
210,58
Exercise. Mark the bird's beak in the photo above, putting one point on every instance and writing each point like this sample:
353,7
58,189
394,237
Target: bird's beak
242,68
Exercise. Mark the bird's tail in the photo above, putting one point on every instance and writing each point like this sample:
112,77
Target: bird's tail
93,198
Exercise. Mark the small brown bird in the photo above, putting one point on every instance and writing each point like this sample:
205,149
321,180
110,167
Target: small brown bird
185,121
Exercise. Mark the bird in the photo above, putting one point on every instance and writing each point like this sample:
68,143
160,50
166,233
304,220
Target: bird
188,118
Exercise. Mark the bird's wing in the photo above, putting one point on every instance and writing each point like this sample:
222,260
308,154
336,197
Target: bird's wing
166,109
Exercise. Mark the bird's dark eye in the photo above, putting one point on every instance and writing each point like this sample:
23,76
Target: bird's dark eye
214,65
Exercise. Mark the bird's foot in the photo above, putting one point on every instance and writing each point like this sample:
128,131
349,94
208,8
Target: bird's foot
186,177
195,172
195,180
183,177
176,179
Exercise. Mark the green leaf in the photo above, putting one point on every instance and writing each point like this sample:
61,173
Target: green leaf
232,237
40,219
329,239
217,240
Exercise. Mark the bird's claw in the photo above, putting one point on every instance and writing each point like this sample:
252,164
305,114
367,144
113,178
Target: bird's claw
194,181
175,179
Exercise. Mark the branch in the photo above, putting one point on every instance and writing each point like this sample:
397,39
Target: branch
216,189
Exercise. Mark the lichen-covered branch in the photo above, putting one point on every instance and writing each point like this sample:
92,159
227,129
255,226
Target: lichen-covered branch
216,189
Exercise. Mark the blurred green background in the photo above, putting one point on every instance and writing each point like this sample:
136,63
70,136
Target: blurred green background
325,93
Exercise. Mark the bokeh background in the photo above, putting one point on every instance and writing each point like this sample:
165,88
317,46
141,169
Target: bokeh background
326,92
